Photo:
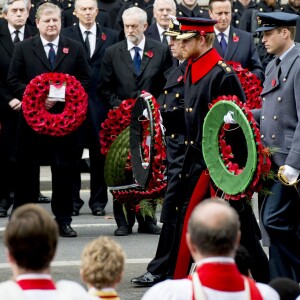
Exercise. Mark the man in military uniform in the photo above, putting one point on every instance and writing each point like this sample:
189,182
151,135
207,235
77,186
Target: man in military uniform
172,112
280,130
238,9
191,8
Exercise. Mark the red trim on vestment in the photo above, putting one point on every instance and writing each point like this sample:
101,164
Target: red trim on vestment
204,64
36,284
198,195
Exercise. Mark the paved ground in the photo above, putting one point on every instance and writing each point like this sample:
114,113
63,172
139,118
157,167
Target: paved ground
139,248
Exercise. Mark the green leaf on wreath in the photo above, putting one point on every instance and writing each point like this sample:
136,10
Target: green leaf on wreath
115,162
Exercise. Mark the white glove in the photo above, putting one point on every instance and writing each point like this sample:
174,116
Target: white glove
291,174
228,118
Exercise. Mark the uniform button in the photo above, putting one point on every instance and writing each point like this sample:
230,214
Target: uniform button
180,13
275,117
262,117
136,4
172,136
261,9
166,92
177,95
179,175
186,142
237,21
190,109
187,110
273,136
165,105
262,136
264,99
279,99
284,79
192,142
236,10
174,108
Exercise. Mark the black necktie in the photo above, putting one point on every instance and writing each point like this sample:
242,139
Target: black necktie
51,55
165,40
16,39
137,60
278,60
223,43
87,43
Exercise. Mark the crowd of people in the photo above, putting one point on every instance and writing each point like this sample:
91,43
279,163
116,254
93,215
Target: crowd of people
105,45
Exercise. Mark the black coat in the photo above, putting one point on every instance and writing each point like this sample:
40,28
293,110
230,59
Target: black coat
172,111
153,33
196,12
118,78
105,37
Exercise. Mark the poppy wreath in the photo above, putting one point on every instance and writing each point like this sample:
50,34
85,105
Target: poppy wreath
115,145
250,83
43,121
234,181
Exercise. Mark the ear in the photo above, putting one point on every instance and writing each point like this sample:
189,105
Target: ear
210,13
145,26
190,245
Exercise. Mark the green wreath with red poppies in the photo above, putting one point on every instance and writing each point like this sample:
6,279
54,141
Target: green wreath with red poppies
43,121
115,145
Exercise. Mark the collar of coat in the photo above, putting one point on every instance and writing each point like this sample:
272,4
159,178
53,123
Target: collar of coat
204,64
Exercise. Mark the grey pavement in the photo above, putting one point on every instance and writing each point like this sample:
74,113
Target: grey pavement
139,248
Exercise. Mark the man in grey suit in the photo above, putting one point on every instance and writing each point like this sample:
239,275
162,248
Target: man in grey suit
128,68
279,121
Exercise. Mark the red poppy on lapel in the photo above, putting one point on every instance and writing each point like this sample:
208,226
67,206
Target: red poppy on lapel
103,36
235,38
66,50
149,53
273,82
179,78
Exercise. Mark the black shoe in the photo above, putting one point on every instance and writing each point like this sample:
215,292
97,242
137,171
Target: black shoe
67,231
3,212
98,212
43,199
123,231
148,279
149,228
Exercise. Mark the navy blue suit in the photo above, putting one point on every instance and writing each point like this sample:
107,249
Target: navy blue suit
242,50
96,114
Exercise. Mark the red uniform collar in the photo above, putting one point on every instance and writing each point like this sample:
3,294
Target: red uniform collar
204,64
36,284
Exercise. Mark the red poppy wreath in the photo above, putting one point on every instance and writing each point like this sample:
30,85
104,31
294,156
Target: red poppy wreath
43,121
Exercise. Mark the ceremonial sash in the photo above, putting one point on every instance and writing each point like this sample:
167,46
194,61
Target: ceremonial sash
36,284
222,277
109,294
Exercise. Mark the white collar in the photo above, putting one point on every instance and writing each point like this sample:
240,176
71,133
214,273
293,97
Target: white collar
45,42
216,259
160,29
226,32
33,276
13,29
141,44
282,56
93,29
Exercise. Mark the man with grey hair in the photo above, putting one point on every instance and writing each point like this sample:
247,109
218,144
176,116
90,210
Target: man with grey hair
213,237
162,9
47,52
13,28
129,67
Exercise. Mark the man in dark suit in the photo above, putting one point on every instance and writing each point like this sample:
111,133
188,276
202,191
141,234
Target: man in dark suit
30,60
129,67
231,43
15,14
162,9
95,39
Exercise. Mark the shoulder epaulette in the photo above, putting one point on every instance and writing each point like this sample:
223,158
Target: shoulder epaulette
224,66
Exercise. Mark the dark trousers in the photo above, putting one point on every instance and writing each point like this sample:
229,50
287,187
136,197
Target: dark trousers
163,261
280,217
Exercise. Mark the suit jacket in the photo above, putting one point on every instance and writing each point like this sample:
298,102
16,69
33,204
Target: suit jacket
29,60
105,37
241,49
118,78
279,115
153,33
6,50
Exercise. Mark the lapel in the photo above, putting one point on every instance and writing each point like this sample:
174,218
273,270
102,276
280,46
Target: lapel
39,51
126,57
145,59
60,55
231,46
99,39
217,46
5,39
